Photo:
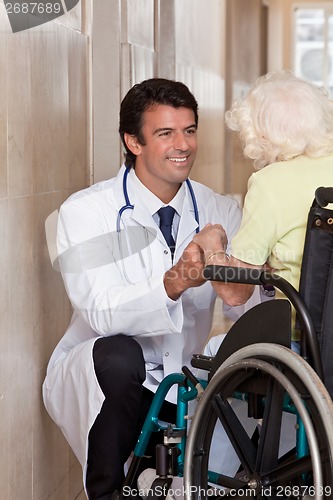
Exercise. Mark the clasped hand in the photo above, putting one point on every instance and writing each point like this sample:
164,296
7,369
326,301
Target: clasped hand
188,271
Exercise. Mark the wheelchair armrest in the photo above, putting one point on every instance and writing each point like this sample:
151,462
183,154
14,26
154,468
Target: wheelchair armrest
262,277
202,362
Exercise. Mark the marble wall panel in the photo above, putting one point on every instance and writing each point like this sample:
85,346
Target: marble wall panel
43,159
142,64
79,142
49,99
4,350
139,28
107,64
74,18
199,52
19,118
4,30
20,345
199,34
243,66
48,289
51,454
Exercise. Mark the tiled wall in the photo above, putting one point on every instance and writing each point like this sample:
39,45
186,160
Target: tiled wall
189,46
172,39
245,61
43,158
200,52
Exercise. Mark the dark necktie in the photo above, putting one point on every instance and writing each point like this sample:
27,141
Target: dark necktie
166,217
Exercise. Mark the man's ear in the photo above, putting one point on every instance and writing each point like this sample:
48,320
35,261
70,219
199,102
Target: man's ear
132,143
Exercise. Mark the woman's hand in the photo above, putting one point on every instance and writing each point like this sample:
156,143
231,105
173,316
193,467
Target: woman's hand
213,242
211,239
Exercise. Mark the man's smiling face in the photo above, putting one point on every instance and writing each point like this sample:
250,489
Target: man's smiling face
165,159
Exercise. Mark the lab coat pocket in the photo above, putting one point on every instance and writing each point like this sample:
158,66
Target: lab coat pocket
137,268
203,296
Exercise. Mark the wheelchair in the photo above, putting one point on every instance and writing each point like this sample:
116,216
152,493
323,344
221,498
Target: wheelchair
269,379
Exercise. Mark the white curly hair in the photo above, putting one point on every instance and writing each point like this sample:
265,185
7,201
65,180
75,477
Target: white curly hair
281,117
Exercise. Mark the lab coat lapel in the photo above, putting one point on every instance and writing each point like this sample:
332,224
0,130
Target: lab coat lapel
187,225
142,216
139,213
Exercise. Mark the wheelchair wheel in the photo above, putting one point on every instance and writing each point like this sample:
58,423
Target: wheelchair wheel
282,381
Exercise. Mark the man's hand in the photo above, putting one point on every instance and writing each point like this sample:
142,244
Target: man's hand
212,241
187,273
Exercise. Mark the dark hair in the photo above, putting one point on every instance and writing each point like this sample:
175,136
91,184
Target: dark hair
143,96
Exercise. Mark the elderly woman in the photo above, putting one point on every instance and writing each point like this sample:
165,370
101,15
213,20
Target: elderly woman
285,125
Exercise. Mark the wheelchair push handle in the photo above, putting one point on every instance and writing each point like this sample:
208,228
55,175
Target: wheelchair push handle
324,196
248,276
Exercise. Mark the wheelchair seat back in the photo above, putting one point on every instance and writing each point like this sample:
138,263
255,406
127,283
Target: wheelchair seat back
316,283
266,322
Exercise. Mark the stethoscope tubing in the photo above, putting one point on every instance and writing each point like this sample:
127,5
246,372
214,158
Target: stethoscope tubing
128,205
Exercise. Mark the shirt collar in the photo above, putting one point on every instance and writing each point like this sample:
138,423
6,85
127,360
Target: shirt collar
152,202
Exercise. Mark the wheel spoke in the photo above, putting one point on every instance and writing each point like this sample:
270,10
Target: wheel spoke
288,471
268,449
239,438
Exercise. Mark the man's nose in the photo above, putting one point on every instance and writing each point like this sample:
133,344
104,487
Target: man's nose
180,142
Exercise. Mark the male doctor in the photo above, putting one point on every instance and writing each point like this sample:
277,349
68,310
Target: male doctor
134,278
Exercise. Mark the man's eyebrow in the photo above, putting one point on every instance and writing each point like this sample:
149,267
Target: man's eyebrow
163,129
170,129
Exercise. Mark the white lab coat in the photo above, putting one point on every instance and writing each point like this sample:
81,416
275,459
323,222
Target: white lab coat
106,303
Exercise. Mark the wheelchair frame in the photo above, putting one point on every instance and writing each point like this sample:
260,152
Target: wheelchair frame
296,388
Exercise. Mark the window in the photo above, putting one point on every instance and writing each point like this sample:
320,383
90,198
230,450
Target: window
314,45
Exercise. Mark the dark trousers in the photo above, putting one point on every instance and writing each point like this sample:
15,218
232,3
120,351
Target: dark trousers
120,371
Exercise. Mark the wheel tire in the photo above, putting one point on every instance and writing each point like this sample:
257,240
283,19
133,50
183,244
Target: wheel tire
288,373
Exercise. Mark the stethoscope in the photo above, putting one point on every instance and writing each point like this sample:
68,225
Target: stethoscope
128,205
